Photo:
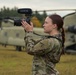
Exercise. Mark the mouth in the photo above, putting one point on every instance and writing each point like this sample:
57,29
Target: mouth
44,27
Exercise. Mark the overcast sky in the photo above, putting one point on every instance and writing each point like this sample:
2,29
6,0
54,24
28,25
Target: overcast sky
40,4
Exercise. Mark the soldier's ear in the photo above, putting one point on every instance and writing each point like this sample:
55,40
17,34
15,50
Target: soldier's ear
55,26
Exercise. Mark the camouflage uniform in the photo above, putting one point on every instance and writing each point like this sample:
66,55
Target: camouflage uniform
46,52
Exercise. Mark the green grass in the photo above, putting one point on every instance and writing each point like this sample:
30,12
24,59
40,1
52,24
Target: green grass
13,62
67,65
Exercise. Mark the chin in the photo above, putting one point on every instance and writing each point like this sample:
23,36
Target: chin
45,32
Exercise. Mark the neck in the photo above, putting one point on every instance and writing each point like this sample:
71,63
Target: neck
54,32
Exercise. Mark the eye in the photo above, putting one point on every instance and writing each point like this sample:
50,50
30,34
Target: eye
46,22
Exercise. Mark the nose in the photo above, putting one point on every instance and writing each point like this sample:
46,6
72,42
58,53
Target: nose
43,24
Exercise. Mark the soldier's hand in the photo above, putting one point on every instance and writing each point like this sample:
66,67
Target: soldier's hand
26,26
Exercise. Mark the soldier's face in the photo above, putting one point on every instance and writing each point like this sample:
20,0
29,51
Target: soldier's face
48,25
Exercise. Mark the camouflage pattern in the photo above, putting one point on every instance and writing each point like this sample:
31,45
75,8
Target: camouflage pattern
46,52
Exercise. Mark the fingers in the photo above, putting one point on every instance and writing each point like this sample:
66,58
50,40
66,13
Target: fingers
26,26
31,24
24,23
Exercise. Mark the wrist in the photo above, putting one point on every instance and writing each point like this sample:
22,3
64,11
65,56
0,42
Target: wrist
28,31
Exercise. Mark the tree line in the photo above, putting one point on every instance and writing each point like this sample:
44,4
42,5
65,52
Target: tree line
6,12
12,12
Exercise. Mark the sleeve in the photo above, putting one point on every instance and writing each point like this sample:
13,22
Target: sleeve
36,45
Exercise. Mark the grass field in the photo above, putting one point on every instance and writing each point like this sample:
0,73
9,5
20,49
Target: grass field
13,62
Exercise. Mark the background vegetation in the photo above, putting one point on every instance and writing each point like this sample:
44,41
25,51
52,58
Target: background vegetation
13,62
12,13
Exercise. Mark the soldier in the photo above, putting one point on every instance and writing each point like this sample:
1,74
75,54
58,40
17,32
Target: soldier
48,49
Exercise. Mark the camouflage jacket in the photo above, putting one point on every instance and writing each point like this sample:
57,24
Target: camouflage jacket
46,52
